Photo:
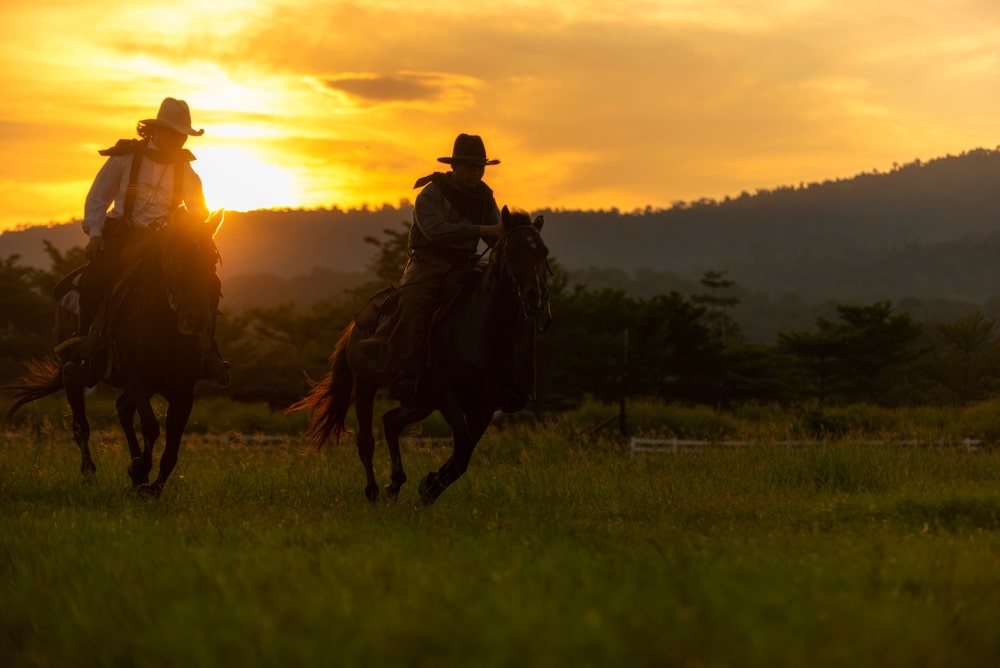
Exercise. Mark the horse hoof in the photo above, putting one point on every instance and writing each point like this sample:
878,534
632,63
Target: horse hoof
430,489
149,491
372,493
138,479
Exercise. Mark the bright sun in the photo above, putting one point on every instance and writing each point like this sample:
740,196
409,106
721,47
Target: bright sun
237,180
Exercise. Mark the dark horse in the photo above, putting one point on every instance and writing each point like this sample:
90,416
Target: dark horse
158,316
471,360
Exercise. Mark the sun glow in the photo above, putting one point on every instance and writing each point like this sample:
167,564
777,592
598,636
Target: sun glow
236,179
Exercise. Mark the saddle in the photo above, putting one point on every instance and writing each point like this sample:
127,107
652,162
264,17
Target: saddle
67,295
377,323
376,310
377,315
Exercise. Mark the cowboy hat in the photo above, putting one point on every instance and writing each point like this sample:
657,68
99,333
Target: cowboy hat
174,115
468,148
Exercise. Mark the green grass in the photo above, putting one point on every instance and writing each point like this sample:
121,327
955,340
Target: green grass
551,551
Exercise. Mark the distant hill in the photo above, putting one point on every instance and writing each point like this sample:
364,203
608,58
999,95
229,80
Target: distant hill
925,229
286,243
244,291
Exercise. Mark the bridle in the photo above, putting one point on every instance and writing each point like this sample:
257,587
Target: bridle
541,287
195,248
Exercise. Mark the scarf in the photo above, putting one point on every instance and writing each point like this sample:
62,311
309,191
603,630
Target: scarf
475,204
128,146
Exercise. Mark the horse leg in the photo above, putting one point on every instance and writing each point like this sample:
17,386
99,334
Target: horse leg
140,467
126,418
466,433
81,426
393,423
178,412
364,406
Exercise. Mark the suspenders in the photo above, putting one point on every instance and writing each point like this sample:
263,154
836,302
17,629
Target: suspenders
133,179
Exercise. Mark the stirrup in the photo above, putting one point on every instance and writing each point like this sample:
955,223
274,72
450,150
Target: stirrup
514,400
217,369
403,390
83,372
71,341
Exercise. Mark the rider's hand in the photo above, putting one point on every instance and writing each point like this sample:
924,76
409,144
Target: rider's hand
94,246
491,230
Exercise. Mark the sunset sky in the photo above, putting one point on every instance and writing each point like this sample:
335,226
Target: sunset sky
589,104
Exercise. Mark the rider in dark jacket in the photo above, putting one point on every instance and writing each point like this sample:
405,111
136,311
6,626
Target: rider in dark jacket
452,213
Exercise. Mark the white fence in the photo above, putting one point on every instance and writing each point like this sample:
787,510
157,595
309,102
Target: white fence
636,445
674,445
425,441
258,440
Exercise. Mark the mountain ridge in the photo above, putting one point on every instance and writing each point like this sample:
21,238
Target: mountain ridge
926,229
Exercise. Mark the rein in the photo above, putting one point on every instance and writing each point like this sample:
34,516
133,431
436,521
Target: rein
515,286
174,260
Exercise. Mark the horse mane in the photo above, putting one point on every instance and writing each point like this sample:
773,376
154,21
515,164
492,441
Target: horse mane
175,255
518,218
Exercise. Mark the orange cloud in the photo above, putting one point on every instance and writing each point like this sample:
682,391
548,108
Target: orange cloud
588,104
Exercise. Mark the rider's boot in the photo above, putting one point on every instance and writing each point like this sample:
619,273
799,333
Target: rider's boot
404,390
215,367
410,390
515,399
87,368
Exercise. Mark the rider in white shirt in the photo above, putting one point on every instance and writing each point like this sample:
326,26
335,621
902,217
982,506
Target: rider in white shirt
142,181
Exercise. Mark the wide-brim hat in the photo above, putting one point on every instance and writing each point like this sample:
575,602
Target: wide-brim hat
469,148
174,115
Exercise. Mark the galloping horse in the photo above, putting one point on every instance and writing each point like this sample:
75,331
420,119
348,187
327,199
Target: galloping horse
471,360
158,315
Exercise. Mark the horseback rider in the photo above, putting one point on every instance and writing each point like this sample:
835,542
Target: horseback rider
452,212
146,180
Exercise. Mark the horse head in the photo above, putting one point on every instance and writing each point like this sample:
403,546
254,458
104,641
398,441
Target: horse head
525,258
189,259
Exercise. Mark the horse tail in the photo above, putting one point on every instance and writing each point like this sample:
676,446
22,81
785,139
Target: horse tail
330,398
42,378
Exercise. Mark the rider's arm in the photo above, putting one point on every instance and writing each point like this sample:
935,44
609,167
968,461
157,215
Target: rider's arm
194,196
495,228
103,192
429,217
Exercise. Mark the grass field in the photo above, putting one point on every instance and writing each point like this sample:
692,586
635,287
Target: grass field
551,551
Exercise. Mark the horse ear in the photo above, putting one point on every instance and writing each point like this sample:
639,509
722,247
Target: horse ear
179,214
504,214
538,222
216,218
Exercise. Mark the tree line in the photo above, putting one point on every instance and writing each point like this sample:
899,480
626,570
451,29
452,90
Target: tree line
603,344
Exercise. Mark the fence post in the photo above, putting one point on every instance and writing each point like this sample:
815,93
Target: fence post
622,422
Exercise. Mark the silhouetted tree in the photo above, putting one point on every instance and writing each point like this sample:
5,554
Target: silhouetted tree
671,354
61,265
717,304
675,355
864,357
388,262
964,358
757,373
26,314
276,350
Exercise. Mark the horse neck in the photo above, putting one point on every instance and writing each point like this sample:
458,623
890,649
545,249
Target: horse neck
145,292
496,294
